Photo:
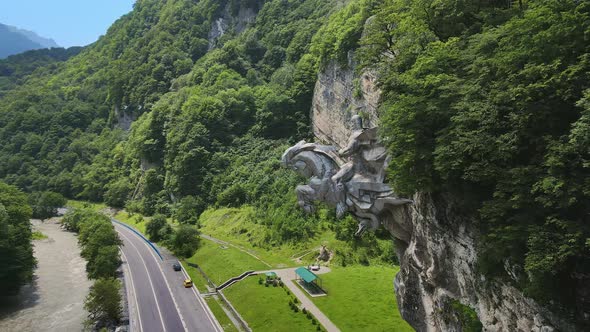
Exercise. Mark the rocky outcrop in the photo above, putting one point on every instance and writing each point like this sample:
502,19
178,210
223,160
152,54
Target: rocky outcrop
436,243
339,94
324,255
438,265
124,117
239,22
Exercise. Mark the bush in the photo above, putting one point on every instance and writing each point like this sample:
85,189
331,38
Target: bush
99,243
185,241
155,226
467,317
189,209
103,303
45,204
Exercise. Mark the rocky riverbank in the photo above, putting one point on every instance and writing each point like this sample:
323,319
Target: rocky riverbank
54,301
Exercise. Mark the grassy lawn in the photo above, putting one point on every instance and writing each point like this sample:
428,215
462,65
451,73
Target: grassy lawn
237,226
221,264
361,298
266,308
225,322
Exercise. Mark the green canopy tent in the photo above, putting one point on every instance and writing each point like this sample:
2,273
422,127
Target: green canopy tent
308,277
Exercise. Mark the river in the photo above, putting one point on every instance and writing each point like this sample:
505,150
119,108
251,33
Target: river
54,301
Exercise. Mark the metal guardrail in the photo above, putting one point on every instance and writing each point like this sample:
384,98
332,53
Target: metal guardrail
140,235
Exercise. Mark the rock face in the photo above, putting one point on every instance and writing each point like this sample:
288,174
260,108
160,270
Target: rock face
436,244
124,117
438,265
339,94
244,17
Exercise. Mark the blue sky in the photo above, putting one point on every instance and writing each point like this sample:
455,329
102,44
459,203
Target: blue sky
68,22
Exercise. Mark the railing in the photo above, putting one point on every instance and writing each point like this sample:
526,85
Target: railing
140,235
234,279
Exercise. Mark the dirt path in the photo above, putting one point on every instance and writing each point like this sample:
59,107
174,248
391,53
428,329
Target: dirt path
55,299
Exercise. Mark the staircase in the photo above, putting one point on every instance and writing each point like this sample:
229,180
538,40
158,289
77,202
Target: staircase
234,280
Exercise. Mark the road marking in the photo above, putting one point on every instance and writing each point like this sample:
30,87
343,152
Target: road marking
149,279
134,290
167,285
208,311
214,322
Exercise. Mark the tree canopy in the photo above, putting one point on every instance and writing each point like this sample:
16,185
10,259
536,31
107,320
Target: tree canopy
16,251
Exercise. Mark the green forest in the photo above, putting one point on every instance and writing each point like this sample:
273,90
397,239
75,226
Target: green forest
487,101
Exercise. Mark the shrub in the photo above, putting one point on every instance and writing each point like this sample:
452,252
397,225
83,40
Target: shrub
45,204
185,241
154,226
103,302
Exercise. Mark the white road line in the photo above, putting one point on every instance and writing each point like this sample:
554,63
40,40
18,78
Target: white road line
167,284
132,285
208,311
214,322
149,279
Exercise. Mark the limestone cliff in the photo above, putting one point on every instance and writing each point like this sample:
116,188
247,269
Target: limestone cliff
238,21
436,243
438,265
338,95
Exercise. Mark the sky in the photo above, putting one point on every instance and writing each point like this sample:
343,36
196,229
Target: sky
68,22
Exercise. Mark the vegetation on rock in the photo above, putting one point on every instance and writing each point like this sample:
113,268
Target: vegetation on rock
489,101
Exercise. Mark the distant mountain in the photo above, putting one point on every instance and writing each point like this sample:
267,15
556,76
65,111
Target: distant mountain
14,40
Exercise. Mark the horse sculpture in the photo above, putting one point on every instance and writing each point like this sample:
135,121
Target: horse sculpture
356,187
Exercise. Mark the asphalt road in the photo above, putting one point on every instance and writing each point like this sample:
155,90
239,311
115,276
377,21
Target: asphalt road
157,299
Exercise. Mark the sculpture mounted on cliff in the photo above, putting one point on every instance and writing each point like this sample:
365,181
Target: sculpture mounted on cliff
356,186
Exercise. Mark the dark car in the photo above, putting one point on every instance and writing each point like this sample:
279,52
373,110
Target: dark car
176,266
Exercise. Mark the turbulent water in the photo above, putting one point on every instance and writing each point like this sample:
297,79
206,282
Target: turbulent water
54,301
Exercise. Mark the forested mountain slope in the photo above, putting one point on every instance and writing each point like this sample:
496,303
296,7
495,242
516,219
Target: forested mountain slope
486,101
15,69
